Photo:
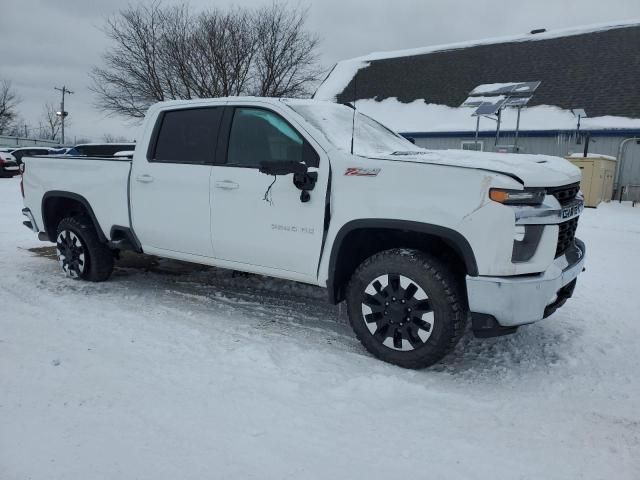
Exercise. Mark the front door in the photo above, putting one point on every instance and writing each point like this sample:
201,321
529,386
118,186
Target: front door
260,220
170,188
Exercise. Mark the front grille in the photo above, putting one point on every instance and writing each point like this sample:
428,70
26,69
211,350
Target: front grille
566,235
565,193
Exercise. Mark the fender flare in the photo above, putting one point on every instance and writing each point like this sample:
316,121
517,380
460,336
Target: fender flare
73,196
451,237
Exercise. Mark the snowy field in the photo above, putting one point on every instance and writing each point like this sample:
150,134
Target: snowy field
172,371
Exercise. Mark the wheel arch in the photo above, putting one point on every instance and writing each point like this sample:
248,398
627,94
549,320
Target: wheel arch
57,204
359,239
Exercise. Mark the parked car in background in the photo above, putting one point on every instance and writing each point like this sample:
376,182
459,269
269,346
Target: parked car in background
61,151
101,149
124,154
18,153
8,164
5,154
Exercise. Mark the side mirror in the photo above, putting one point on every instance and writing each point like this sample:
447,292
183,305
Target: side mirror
411,139
282,168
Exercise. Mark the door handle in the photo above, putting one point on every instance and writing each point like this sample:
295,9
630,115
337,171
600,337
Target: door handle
144,178
227,185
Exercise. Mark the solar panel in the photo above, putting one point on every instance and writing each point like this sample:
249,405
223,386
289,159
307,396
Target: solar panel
525,89
511,89
490,98
517,101
488,108
477,101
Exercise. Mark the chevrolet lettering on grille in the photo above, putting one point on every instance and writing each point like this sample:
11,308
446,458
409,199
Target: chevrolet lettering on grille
571,211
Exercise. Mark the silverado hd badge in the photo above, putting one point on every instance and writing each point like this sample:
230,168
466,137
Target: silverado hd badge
361,172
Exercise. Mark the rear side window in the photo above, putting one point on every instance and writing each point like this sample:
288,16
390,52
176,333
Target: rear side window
187,136
260,135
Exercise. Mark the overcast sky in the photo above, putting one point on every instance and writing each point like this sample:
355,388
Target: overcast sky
47,43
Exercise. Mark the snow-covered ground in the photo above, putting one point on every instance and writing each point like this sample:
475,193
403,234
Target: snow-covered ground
170,371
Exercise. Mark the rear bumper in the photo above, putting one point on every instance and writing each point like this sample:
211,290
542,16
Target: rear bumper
9,169
519,300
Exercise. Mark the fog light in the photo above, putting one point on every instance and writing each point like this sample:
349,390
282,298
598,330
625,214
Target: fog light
525,242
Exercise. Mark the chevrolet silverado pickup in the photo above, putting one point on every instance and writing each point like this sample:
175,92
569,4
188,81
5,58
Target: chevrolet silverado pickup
418,243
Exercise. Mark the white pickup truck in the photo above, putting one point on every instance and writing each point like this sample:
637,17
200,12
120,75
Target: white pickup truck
417,242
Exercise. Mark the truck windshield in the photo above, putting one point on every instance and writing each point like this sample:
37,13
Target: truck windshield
336,122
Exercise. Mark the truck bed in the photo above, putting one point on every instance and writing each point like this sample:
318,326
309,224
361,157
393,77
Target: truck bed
102,182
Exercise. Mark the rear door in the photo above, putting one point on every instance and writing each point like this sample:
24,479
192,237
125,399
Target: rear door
170,185
260,220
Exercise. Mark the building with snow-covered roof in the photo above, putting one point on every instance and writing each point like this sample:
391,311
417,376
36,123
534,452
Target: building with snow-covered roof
418,92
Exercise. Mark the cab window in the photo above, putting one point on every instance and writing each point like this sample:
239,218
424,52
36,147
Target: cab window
187,136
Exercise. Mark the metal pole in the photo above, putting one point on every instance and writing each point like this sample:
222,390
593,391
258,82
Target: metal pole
498,128
587,138
62,110
477,130
63,114
515,141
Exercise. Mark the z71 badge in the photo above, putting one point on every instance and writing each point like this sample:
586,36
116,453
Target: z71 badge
361,172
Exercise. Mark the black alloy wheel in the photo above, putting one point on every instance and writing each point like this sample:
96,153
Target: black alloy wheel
71,253
397,312
407,307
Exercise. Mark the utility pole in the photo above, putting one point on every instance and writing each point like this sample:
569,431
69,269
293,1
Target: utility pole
62,113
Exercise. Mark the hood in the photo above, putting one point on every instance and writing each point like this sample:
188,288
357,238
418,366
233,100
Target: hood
531,170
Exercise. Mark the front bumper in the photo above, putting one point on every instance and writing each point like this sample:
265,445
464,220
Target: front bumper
519,300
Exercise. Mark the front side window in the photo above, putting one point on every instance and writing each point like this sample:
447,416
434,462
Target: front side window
188,136
260,135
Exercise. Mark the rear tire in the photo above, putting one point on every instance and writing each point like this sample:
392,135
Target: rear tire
80,252
406,307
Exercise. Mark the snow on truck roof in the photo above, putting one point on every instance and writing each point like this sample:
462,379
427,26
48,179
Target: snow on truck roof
218,100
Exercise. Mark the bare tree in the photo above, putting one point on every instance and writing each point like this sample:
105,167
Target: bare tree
51,122
166,52
111,138
224,46
8,102
19,128
131,79
286,62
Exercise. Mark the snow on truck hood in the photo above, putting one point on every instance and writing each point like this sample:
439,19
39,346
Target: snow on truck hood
351,131
532,170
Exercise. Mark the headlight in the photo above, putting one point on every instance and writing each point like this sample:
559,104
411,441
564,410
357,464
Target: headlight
529,196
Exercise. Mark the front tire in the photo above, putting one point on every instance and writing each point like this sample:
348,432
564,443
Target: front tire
406,307
80,252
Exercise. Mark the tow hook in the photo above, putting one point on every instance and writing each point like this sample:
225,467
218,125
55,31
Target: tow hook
486,326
